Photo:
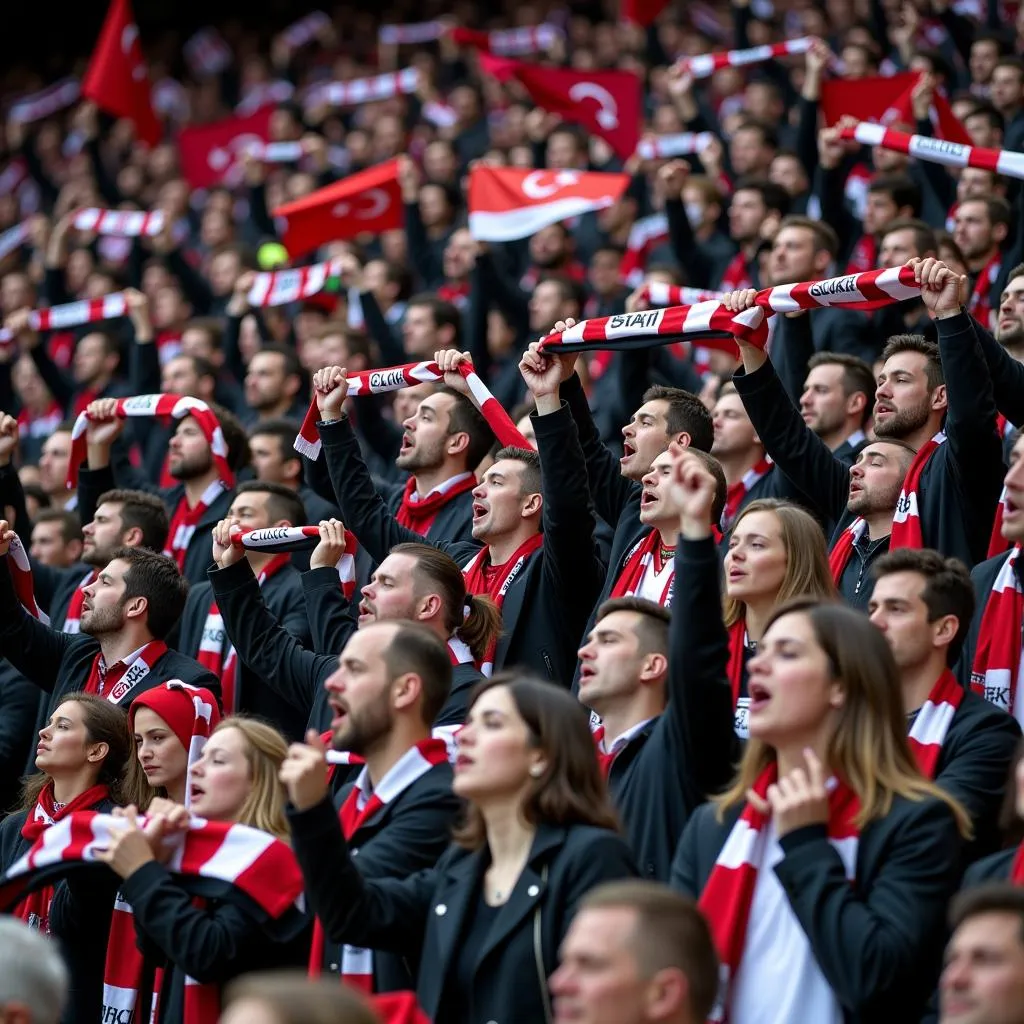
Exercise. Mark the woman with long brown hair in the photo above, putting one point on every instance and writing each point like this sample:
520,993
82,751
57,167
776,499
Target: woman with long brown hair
826,867
485,924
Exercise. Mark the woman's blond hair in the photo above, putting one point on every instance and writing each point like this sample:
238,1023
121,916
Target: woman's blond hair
868,749
807,568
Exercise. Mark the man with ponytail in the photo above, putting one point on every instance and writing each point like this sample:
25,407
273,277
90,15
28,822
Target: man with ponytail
387,688
923,603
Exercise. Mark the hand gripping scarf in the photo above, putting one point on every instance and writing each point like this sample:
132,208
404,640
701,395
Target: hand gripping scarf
997,655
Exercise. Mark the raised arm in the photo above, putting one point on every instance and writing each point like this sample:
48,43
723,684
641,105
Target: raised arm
332,618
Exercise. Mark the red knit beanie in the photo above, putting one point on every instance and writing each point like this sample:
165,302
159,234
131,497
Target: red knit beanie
182,707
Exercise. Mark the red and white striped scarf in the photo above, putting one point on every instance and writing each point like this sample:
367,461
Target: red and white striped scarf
73,616
185,520
123,676
997,654
410,35
21,578
418,514
644,555
663,147
644,235
736,275
737,493
502,577
305,30
932,722
737,634
13,238
705,64
906,522
394,378
364,90
301,538
980,303
162,406
729,892
217,652
120,223
509,42
48,101
359,808
73,314
842,550
279,287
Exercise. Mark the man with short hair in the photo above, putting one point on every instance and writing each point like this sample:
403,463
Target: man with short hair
837,401
430,324
53,468
1009,330
983,977
923,602
56,538
33,978
636,953
982,226
273,381
902,240
388,685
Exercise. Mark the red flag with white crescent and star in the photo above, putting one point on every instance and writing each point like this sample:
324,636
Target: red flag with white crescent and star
212,153
367,202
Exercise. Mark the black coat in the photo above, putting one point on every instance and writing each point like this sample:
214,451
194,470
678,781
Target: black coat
879,941
60,663
423,916
277,657
546,606
994,868
253,695
407,834
960,483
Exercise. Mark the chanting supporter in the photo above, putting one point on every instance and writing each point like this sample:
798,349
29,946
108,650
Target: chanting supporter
205,485
827,794
923,604
837,400
389,684
991,659
1008,864
636,951
415,582
134,603
776,551
936,399
666,739
532,549
199,948
983,976
876,482
255,506
486,923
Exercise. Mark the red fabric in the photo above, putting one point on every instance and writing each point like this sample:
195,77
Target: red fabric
997,654
736,274
117,80
399,1008
646,552
119,679
906,523
932,722
841,551
419,516
734,667
604,759
607,104
737,492
189,711
212,153
979,305
642,12
1017,870
369,202
864,255
183,526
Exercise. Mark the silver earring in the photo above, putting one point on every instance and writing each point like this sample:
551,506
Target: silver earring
537,770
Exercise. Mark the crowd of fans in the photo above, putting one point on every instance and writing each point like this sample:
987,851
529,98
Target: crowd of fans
367,657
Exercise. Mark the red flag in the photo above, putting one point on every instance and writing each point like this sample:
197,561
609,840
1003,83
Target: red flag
367,202
506,203
888,101
116,80
212,153
606,103
642,12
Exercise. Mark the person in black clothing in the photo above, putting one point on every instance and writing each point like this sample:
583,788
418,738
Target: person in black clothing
487,921
389,686
921,391
799,938
256,506
1008,863
923,604
136,600
837,401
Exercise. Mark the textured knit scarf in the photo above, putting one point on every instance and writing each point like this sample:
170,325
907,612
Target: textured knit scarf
418,514
356,811
842,550
476,581
644,555
185,521
34,909
997,655
906,523
116,681
729,893
933,721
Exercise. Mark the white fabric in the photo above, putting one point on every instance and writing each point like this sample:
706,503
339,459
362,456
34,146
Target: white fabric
653,583
623,739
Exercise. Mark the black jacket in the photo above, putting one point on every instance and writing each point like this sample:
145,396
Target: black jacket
995,868
961,481
60,663
283,596
547,603
668,770
424,916
277,657
454,520
983,576
877,942
406,835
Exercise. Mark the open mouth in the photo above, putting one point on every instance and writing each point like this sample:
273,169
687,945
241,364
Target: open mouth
648,498
479,511
627,451
406,443
759,697
196,791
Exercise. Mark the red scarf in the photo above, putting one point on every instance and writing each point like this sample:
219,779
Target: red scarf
217,653
605,759
44,424
736,274
729,892
73,618
501,577
357,811
419,514
20,568
997,655
906,523
734,671
980,303
839,556
644,555
34,909
186,519
933,721
864,256
117,681
1017,870
737,492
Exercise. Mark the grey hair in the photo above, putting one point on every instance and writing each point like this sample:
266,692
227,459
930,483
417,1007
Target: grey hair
32,972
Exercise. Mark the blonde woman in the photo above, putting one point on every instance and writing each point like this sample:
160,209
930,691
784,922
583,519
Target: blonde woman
826,867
